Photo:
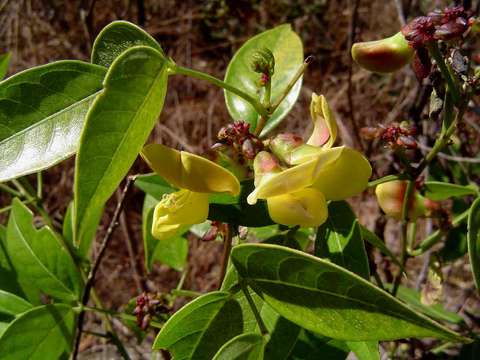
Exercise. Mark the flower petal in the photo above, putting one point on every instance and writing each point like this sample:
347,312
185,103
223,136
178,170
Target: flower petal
346,177
325,126
306,208
181,207
189,171
294,178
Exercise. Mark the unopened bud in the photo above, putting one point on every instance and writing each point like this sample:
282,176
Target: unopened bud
265,163
383,56
390,197
282,145
263,61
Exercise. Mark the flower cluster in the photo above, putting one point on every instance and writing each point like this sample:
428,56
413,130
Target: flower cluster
240,140
395,136
147,305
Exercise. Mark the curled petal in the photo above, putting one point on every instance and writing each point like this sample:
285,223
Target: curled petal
294,178
306,208
189,171
325,126
183,207
345,177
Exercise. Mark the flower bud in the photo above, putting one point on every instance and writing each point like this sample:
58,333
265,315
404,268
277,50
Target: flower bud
383,56
390,197
265,164
305,208
282,145
263,61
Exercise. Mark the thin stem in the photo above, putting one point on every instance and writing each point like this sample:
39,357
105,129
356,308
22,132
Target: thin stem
39,185
186,293
9,207
91,276
291,84
404,233
227,247
412,234
251,303
385,179
9,190
213,80
119,315
445,70
437,235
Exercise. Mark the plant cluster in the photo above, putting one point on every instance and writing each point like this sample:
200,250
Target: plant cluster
306,284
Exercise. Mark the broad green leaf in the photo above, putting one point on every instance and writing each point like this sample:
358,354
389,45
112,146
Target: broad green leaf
200,328
374,240
325,298
11,304
473,239
172,252
249,346
42,112
437,312
116,129
45,332
4,63
455,244
39,256
154,186
340,240
287,49
436,190
117,37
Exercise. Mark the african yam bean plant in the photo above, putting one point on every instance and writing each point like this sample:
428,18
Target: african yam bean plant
297,278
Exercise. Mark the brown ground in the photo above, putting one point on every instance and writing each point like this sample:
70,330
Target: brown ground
204,35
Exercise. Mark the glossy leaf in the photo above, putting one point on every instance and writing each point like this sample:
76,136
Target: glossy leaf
39,257
42,112
473,239
4,63
249,346
364,350
311,346
287,49
200,328
436,190
117,37
116,128
325,298
437,312
340,240
375,241
172,252
11,304
154,186
45,332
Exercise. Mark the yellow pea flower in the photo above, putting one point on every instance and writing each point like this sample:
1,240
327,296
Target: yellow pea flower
324,124
306,207
196,177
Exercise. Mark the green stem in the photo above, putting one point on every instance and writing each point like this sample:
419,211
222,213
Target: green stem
9,190
259,108
291,84
437,235
385,179
227,248
412,234
404,234
446,71
186,293
39,185
251,303
118,315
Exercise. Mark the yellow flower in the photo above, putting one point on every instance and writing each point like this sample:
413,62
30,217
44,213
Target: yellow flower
320,172
196,177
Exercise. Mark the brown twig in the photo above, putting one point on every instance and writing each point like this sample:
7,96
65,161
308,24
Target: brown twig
351,40
91,276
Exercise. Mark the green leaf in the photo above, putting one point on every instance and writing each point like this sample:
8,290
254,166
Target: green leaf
374,240
42,112
172,252
4,63
200,328
45,332
117,37
325,298
154,185
436,190
340,240
249,346
287,49
473,239
39,256
11,304
116,129
311,346
437,312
